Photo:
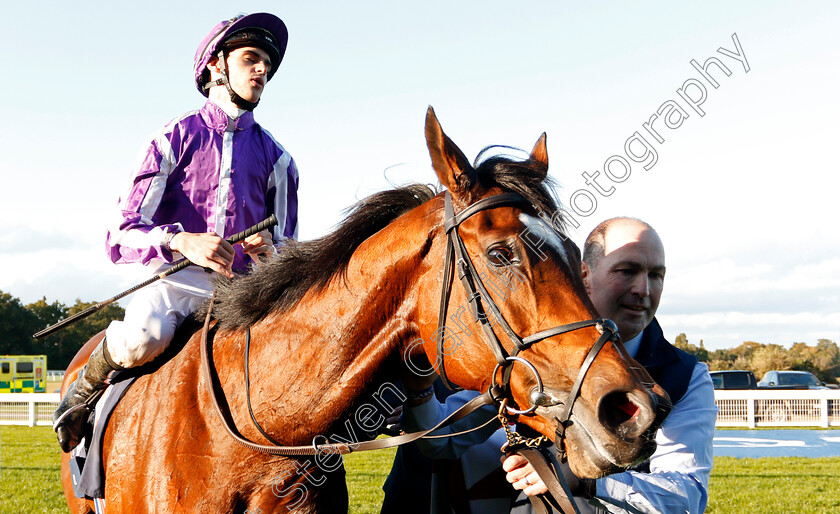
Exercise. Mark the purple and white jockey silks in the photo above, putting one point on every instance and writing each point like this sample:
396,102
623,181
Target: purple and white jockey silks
204,172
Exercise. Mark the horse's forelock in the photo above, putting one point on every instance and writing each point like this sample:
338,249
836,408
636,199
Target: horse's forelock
527,178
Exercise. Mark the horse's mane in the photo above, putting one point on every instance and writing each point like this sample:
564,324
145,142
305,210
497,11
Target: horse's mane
284,279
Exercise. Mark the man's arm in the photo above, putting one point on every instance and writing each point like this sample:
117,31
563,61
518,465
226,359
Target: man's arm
679,469
133,237
282,195
430,413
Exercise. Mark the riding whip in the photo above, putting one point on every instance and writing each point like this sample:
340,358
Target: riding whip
178,266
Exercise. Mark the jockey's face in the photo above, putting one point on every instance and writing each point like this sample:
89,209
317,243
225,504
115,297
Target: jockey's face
247,69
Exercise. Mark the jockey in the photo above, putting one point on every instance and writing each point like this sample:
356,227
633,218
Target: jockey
206,175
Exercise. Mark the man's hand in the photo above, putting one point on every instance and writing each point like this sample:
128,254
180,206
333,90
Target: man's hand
258,245
393,426
205,250
522,476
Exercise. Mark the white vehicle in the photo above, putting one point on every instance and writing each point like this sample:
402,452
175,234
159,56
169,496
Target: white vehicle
790,380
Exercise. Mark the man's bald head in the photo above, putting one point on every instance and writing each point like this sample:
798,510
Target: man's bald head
623,270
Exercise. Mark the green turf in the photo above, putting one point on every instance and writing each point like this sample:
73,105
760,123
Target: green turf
366,471
29,479
775,485
29,471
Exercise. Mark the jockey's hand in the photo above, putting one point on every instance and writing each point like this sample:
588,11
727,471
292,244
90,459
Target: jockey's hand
259,245
205,250
521,475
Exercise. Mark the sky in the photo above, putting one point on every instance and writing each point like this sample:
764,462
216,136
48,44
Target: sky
742,188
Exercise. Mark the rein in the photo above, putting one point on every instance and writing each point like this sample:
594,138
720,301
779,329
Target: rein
327,448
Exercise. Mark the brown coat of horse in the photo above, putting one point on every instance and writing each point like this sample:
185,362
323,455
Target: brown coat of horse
330,321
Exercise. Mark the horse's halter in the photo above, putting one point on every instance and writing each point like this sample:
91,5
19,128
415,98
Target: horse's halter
478,295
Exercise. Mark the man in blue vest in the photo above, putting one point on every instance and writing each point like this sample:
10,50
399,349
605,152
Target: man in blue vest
623,269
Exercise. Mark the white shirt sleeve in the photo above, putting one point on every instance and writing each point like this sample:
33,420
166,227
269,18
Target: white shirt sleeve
431,413
679,469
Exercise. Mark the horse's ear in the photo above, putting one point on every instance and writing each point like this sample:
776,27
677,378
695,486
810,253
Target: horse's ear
451,165
539,155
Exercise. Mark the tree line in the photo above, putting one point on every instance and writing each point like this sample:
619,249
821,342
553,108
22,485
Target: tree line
18,322
823,360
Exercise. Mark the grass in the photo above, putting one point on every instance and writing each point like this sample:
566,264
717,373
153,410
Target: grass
366,471
29,471
29,479
775,485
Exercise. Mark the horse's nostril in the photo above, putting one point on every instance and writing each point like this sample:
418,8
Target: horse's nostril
620,414
631,409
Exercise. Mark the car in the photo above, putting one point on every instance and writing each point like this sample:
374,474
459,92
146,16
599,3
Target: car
733,379
790,380
783,410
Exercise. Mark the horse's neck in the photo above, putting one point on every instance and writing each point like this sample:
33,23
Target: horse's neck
309,365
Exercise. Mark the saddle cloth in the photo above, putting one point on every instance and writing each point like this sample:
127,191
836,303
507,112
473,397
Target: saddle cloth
86,467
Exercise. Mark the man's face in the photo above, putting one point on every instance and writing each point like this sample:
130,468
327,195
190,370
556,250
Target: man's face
248,69
627,282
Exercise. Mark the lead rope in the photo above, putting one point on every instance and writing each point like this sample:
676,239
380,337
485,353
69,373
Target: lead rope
248,389
554,480
528,447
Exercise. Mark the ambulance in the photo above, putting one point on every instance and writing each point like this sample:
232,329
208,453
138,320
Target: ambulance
23,373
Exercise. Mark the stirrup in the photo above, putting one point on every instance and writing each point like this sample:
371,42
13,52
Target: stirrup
89,404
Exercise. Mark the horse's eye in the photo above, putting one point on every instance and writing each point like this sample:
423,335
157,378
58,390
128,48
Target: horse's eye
500,256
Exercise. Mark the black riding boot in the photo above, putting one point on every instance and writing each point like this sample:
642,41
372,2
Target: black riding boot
73,411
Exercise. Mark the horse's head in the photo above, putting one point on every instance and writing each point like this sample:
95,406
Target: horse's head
559,367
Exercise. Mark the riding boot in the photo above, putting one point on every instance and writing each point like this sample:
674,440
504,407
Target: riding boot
72,413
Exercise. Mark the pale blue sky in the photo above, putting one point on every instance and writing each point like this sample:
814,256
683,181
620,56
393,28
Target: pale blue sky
744,197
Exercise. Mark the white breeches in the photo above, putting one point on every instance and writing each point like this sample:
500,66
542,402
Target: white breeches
154,313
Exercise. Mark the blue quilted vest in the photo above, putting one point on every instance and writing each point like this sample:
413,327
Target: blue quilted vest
669,366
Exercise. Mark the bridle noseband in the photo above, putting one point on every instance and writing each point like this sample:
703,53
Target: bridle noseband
478,296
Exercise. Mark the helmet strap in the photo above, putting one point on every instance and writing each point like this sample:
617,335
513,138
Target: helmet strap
225,81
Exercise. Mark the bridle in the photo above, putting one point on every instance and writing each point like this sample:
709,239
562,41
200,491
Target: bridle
478,296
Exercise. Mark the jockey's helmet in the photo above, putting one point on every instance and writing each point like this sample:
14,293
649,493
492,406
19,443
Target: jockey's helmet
262,30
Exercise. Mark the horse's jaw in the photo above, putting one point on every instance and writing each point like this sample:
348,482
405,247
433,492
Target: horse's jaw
616,435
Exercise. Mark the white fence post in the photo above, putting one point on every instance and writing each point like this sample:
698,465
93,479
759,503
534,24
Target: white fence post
824,411
751,412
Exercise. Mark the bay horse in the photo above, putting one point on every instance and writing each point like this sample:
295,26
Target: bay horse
331,320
